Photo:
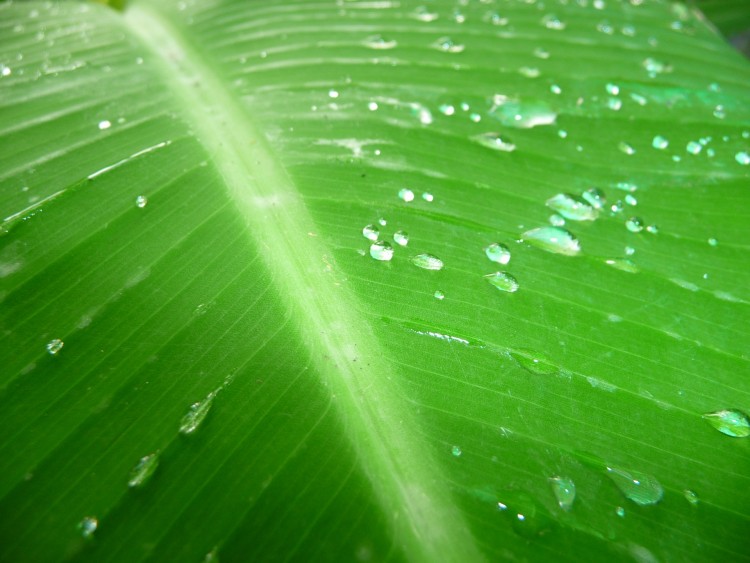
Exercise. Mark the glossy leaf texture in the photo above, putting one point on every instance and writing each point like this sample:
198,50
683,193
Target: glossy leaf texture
373,280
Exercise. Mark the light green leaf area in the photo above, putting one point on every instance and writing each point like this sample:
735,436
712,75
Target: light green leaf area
202,357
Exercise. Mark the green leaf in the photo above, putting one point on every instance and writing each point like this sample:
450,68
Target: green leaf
203,357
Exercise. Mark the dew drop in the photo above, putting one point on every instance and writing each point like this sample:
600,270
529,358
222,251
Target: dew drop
623,264
382,222
456,451
713,242
427,262
503,281
529,72
694,147
521,114
612,89
551,21
88,526
371,232
555,89
654,67
54,346
381,250
691,497
626,148
141,201
595,198
105,124
660,143
553,239
379,42
428,197
196,415
719,112
641,488
743,158
565,491
439,295
631,200
731,422
556,220
498,253
620,511
653,229
401,238
447,109
447,45
634,224
495,141
572,207
144,469
406,194
424,15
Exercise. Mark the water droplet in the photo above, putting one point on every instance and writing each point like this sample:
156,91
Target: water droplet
719,112
88,526
447,45
629,250
423,14
555,89
553,239
654,67
626,148
372,106
503,281
634,224
713,242
562,133
572,207
653,229
731,422
196,415
556,220
631,200
693,147
498,253
660,143
529,72
439,295
595,198
742,158
379,42
381,250
475,117
620,511
615,104
612,89
541,53
447,109
565,491
105,124
382,222
427,262
141,201
551,21
691,497
406,194
495,141
54,346
371,232
456,451
639,487
401,238
623,264
144,469
521,114
427,196
333,93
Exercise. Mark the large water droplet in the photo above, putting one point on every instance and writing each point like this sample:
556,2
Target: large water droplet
196,415
565,491
521,114
743,158
495,141
553,239
634,224
503,281
731,422
401,238
144,469
371,232
439,295
88,526
381,250
406,194
572,207
639,487
54,346
427,262
498,253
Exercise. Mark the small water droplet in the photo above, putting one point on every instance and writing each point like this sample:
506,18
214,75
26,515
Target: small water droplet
498,253
629,250
401,238
381,250
456,451
428,197
54,346
731,422
556,220
626,148
553,239
439,295
88,526
612,89
503,281
495,141
572,207
541,53
379,42
620,511
423,14
595,198
529,72
654,67
551,21
447,109
691,497
565,491
382,222
660,143
639,487
406,194
742,158
333,93
555,89
713,242
694,147
196,415
104,124
447,45
371,232
634,224
653,229
141,201
719,112
562,133
623,264
144,469
427,262
475,117
631,200
615,104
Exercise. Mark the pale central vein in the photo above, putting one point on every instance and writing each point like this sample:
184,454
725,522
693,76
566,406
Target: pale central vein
407,480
